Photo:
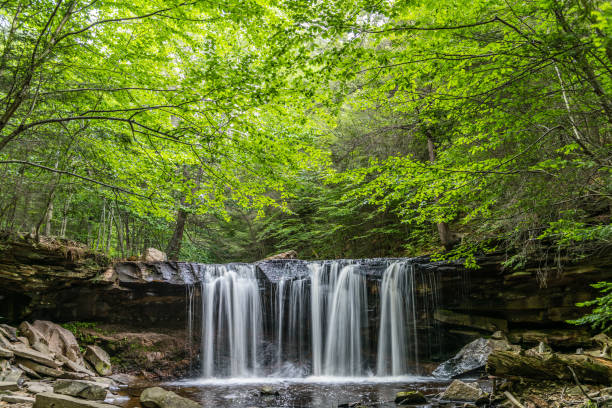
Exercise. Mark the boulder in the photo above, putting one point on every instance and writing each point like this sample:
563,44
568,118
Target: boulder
99,359
76,367
472,357
124,379
157,397
410,398
154,255
32,334
268,391
283,255
460,391
81,389
52,400
60,341
25,352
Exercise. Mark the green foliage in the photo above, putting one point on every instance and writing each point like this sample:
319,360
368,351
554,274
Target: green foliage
231,130
600,317
82,335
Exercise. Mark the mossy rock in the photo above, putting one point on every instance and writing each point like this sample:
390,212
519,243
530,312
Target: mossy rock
409,398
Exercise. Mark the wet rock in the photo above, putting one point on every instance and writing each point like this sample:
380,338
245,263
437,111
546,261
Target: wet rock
472,357
124,379
460,391
154,255
409,398
268,391
52,400
157,397
99,359
82,389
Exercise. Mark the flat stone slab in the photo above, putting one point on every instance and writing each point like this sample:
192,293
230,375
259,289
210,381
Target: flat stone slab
82,389
51,400
41,369
36,387
8,386
22,351
17,399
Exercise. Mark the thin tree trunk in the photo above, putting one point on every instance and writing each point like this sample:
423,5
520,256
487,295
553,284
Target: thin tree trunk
119,228
49,218
443,229
174,246
109,235
102,221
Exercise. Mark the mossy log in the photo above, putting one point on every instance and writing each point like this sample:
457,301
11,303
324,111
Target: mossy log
550,366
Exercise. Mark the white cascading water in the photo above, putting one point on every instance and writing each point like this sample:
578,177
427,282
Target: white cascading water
320,324
397,321
232,321
347,315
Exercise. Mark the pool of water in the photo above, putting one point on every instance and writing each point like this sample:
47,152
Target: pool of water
292,392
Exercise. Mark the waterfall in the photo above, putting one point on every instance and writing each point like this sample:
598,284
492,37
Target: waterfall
398,345
232,321
280,307
334,318
397,316
317,307
347,314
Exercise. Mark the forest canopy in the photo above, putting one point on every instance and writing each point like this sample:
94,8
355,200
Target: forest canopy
231,130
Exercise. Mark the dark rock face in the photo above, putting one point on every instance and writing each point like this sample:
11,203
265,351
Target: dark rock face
61,281
472,357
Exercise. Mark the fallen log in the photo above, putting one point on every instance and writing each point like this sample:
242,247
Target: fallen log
550,366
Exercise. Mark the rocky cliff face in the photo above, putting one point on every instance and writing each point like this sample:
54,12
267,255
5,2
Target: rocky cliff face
64,282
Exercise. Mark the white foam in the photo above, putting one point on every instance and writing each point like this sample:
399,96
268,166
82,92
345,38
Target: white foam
322,380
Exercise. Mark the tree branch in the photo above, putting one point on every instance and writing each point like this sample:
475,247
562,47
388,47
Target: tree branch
58,171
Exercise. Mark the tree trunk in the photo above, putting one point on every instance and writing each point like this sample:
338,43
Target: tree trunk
443,229
49,218
119,227
550,366
174,246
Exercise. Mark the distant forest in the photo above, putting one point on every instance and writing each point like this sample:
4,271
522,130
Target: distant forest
232,130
